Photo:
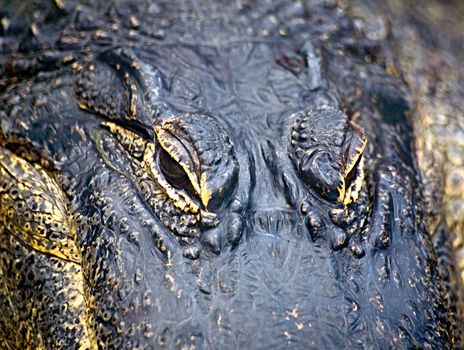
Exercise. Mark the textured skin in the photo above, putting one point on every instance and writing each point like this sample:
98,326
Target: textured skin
204,171
431,49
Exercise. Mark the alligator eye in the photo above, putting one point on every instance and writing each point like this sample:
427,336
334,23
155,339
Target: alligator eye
321,173
327,151
196,144
174,173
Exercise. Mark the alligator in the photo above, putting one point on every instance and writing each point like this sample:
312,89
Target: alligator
212,174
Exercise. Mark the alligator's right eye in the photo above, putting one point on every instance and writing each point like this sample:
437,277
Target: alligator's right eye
191,160
196,157
174,173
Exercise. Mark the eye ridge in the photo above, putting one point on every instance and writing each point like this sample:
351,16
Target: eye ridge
174,173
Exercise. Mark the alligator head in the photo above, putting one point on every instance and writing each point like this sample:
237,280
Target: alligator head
224,186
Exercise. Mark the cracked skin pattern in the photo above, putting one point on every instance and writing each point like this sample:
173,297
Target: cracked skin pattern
212,175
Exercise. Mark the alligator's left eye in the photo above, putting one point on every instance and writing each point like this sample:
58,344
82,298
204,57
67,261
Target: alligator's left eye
327,150
320,172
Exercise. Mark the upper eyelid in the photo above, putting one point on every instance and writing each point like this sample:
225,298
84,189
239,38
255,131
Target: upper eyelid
136,127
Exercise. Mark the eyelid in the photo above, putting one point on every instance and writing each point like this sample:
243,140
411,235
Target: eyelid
353,147
213,168
327,148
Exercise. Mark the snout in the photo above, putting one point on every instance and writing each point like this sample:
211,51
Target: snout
273,221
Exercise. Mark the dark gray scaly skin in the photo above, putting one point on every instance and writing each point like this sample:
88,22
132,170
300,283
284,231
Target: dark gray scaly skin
172,174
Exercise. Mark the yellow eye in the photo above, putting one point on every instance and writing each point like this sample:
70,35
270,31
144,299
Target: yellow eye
202,149
174,173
